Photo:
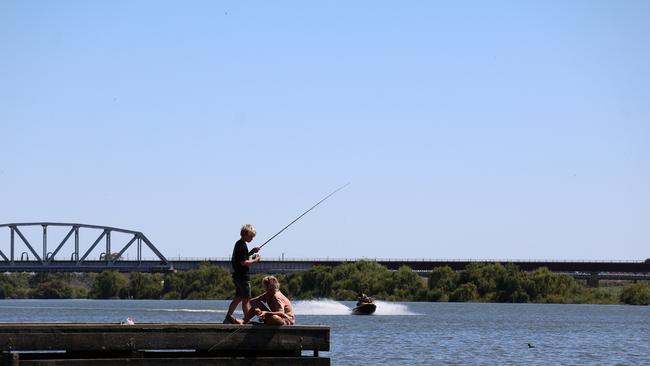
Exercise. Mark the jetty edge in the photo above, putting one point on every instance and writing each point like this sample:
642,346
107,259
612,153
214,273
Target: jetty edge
82,344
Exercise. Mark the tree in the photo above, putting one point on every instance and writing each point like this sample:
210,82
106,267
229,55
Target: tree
6,287
544,285
206,282
465,292
636,294
443,279
407,285
511,285
145,285
484,276
361,276
108,285
316,282
293,286
54,289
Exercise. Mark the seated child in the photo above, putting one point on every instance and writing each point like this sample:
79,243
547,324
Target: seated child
279,310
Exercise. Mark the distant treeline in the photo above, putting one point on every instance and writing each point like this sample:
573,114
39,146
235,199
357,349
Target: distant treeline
478,282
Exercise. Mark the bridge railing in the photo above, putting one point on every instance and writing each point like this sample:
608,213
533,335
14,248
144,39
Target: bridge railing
352,259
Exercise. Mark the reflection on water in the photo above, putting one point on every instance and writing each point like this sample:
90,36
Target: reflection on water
409,333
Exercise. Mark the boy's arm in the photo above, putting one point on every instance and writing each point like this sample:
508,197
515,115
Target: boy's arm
242,254
249,262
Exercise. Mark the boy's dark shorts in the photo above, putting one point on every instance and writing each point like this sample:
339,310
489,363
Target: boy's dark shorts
242,287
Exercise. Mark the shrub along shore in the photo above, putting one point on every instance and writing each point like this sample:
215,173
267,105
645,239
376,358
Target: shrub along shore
477,283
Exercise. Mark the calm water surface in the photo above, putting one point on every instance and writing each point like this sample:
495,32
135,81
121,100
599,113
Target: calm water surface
411,333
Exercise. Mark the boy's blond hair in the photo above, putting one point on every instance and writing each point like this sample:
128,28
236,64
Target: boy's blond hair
271,283
247,229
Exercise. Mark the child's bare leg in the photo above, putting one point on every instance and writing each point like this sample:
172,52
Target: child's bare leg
250,315
273,320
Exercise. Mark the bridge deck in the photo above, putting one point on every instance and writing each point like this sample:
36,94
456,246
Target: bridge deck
283,266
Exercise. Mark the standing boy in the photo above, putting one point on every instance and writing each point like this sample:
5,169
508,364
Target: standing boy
240,266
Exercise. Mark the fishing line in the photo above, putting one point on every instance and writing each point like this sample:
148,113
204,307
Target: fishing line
227,337
303,214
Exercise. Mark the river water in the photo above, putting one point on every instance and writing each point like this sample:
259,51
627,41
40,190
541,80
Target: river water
410,333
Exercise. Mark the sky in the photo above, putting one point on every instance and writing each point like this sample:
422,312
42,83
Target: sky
467,130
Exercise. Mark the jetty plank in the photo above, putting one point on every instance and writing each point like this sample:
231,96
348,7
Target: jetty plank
210,337
207,361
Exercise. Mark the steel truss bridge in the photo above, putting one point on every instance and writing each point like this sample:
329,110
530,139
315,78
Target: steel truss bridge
47,261
592,271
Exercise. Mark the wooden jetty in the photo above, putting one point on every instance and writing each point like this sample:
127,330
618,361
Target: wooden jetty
146,344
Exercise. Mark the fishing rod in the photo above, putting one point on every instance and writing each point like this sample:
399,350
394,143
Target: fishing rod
298,218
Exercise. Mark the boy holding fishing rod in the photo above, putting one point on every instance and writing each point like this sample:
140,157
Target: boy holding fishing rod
241,262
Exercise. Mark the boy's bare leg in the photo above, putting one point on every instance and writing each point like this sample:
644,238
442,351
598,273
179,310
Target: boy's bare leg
244,305
233,305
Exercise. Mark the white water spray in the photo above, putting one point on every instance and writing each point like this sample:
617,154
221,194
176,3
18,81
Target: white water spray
332,307
320,307
391,308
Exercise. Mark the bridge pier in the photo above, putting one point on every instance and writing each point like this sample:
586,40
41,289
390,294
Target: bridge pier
593,280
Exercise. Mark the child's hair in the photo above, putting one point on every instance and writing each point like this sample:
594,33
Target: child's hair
248,229
270,283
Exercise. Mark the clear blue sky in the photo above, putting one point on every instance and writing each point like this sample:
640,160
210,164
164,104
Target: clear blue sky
517,130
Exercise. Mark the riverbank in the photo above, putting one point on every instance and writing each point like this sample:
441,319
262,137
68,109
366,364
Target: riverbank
477,283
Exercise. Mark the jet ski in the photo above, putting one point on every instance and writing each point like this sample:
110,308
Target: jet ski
364,308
